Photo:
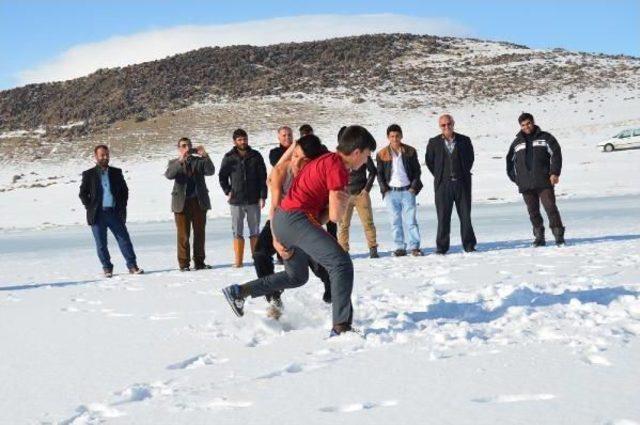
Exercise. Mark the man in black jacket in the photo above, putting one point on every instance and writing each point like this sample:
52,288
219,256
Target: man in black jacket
190,201
359,187
450,158
534,162
399,180
104,194
243,178
285,139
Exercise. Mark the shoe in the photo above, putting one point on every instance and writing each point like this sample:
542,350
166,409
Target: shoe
339,329
185,269
399,253
538,233
558,234
275,308
203,267
416,252
470,249
440,252
373,252
136,270
108,273
232,295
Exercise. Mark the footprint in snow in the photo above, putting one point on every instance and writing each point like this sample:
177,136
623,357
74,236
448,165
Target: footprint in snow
514,398
357,407
597,360
201,360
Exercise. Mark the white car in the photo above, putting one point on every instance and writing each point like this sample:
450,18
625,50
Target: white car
626,139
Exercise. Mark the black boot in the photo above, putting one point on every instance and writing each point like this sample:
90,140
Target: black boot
538,232
558,233
373,252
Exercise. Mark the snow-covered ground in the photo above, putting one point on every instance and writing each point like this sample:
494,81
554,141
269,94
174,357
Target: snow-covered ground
46,193
509,335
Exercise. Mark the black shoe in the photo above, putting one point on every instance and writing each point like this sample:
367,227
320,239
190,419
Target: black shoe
440,252
339,329
416,252
470,249
538,233
373,252
558,234
185,269
232,295
203,267
399,253
108,273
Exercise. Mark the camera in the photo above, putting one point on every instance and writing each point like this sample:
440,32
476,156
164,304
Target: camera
193,151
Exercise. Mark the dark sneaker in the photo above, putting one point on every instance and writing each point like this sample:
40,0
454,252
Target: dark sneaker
108,273
232,294
203,267
339,329
373,252
399,253
416,252
136,270
275,308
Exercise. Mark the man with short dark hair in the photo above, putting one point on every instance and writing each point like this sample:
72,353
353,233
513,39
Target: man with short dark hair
305,130
316,194
190,201
243,178
359,187
399,180
285,139
534,162
450,158
104,194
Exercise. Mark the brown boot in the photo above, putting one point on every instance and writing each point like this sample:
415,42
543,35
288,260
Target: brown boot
253,241
238,249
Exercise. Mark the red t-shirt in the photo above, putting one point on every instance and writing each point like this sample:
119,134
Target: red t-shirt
309,191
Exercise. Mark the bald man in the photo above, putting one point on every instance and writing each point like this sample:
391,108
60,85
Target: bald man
450,158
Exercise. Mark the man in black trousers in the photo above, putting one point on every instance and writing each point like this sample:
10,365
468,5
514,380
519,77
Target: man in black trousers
534,162
450,158
104,194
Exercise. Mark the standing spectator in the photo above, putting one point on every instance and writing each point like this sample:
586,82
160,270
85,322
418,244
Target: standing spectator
399,180
105,194
534,162
359,187
450,158
285,139
190,201
305,130
243,178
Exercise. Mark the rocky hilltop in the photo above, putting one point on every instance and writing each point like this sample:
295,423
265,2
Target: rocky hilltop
375,68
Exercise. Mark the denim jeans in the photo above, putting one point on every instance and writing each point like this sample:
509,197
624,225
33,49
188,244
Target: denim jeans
108,219
402,209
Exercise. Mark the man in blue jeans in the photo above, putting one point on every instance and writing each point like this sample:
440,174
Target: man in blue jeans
399,181
104,193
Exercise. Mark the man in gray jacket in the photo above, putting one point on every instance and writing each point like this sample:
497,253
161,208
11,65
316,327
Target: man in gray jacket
190,200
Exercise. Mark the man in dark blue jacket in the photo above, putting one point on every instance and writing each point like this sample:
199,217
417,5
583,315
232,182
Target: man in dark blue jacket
534,162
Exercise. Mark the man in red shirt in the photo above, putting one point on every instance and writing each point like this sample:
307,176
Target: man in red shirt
316,195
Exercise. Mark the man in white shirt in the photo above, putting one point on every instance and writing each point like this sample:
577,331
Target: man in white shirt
399,180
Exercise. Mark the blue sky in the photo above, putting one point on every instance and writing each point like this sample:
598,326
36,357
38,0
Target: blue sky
33,33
